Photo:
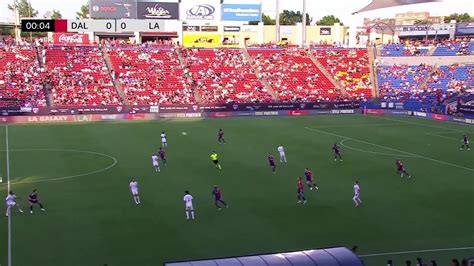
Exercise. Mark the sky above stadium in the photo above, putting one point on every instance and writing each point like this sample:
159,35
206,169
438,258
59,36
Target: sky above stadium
316,8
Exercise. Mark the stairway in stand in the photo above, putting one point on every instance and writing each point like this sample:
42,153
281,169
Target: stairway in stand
117,84
373,72
187,74
260,77
326,73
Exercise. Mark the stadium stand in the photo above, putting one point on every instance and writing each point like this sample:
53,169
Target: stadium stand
398,49
21,77
452,48
151,75
400,82
79,76
224,75
292,75
350,67
154,73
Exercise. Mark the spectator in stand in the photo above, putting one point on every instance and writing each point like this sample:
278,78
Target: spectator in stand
79,76
169,84
21,76
292,75
350,67
224,76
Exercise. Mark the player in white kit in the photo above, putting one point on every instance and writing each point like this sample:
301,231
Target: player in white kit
188,201
356,197
156,164
163,140
281,150
10,200
134,189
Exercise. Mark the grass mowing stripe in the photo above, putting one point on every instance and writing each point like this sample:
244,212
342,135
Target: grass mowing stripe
388,148
415,251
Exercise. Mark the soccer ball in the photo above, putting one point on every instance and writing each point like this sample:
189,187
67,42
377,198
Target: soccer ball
184,133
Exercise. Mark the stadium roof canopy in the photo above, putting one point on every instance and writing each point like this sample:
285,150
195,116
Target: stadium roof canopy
376,4
339,256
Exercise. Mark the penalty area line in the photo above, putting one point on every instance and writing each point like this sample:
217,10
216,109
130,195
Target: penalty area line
415,251
441,136
360,125
392,149
424,125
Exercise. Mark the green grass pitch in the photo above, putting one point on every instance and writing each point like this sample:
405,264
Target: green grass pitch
91,218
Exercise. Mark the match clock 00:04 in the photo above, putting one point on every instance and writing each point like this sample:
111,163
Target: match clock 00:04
37,25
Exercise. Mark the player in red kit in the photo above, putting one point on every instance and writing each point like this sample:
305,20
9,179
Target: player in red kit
300,191
162,154
309,179
218,198
271,162
401,169
465,142
220,136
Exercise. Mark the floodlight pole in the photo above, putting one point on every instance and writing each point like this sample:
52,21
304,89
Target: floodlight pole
304,25
277,21
17,22
29,10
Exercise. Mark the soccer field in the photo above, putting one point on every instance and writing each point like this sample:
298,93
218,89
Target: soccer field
82,173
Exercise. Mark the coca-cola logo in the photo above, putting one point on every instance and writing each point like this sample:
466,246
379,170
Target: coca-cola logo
75,38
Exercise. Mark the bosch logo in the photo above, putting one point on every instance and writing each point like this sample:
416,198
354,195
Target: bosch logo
95,8
201,12
108,9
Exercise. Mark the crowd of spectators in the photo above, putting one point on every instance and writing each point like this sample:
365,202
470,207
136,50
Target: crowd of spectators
350,67
154,73
442,47
126,43
21,77
402,82
150,76
79,76
425,83
454,47
407,48
292,75
224,76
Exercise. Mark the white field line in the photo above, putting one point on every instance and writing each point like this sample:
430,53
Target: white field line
374,152
114,163
360,125
392,149
442,133
441,136
415,251
8,185
419,124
